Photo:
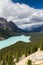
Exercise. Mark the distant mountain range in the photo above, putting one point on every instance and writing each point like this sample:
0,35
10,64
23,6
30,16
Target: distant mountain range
35,29
8,28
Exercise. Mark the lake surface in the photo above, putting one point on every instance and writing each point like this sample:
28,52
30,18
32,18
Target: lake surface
13,40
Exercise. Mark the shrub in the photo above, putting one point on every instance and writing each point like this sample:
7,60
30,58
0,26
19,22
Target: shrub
29,62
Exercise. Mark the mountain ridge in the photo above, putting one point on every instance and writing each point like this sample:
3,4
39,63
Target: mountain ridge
9,28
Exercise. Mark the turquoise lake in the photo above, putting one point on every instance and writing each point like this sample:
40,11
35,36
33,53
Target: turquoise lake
13,40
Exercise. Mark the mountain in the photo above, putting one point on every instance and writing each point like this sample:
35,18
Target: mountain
9,28
34,29
8,24
37,29
14,28
4,24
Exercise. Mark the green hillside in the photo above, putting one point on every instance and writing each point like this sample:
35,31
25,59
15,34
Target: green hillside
7,55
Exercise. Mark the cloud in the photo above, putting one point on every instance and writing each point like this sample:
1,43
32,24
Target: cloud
21,14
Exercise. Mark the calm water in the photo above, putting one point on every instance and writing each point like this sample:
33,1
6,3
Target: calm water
13,40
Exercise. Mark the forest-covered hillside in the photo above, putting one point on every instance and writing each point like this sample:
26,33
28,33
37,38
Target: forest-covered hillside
16,51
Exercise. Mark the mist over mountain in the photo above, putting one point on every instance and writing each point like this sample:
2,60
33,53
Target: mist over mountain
34,29
12,27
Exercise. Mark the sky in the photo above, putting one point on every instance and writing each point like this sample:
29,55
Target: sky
38,4
24,13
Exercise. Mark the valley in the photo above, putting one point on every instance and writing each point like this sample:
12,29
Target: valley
17,50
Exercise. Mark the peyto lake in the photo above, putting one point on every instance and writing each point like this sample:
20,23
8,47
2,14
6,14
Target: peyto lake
13,40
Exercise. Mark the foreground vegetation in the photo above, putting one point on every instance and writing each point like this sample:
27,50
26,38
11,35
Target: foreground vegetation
29,62
13,53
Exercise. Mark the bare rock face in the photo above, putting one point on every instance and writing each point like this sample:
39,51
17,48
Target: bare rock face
8,24
3,23
1,38
8,28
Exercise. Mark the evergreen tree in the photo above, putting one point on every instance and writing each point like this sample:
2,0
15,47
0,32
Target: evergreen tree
41,45
29,62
